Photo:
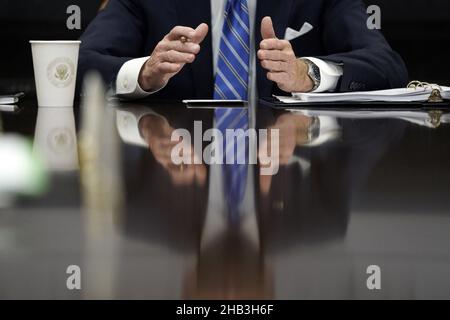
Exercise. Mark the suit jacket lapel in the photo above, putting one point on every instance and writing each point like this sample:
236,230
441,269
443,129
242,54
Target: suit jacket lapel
279,11
192,13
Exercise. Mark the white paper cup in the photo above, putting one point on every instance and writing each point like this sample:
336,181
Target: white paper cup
55,71
55,138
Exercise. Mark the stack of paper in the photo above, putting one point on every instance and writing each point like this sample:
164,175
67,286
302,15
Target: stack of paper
422,118
420,94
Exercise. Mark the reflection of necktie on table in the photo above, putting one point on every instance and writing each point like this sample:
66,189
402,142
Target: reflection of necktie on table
231,82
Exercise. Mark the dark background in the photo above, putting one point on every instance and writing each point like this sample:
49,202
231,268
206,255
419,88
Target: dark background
418,30
24,20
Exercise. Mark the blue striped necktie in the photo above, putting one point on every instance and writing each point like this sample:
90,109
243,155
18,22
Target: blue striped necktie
232,80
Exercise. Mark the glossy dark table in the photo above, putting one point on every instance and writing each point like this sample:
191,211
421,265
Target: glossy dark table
358,191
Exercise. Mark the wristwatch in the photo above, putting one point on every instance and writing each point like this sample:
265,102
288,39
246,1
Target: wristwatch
314,129
313,73
305,136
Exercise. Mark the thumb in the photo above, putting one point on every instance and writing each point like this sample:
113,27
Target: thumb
200,33
267,31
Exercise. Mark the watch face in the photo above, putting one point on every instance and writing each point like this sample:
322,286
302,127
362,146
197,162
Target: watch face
315,128
314,73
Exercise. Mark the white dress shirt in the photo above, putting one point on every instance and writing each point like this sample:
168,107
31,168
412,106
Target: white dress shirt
127,85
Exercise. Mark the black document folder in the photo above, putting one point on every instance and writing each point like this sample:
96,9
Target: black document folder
357,105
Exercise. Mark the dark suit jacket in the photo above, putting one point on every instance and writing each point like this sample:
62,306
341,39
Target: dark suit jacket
128,29
315,207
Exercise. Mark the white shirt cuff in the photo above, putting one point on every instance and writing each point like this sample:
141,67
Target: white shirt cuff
329,131
330,73
128,124
127,84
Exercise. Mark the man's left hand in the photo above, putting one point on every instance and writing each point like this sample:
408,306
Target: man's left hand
278,58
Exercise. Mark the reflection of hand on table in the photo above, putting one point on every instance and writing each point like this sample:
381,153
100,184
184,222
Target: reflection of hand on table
293,131
157,132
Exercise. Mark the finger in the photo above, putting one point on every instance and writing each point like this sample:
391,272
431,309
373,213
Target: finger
275,55
278,77
276,66
267,31
177,32
181,177
274,44
200,174
168,67
200,33
160,151
168,143
265,182
177,57
188,47
284,159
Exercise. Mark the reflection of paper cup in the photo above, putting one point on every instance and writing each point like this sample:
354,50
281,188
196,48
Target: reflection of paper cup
55,71
55,139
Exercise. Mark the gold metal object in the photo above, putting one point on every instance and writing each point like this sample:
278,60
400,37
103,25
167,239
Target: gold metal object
434,118
435,96
415,84
184,39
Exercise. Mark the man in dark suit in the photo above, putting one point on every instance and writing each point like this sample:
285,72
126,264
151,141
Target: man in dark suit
301,206
300,45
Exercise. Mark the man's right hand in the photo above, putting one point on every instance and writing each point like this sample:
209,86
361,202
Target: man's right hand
170,56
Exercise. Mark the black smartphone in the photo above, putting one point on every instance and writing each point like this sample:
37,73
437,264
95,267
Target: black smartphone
215,104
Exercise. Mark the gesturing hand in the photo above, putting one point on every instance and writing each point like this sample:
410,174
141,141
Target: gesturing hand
157,132
171,55
278,58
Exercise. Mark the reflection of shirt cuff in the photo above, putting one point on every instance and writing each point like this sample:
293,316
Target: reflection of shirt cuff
330,73
127,84
128,124
329,131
